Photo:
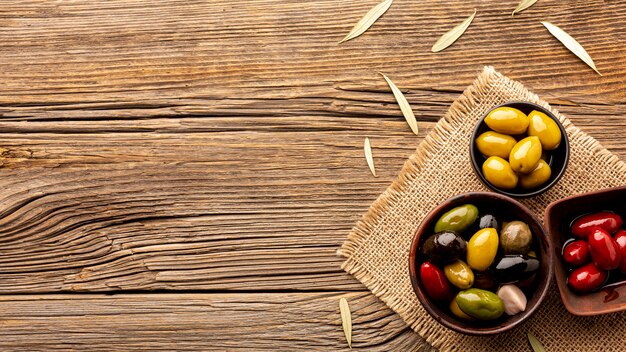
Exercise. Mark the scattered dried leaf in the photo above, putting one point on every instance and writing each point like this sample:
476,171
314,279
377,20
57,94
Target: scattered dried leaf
535,344
451,36
523,5
368,20
346,318
404,105
571,44
368,156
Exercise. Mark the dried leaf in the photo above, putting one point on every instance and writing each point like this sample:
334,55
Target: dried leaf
571,44
346,316
523,5
451,36
404,105
368,20
535,344
368,156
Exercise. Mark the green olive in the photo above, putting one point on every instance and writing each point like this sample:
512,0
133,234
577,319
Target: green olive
459,274
525,155
480,304
507,120
482,249
516,238
495,144
457,219
537,177
499,173
542,126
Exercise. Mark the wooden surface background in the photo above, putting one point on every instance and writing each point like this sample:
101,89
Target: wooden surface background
179,174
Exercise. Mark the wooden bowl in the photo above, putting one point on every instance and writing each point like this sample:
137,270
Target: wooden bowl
558,158
559,215
509,209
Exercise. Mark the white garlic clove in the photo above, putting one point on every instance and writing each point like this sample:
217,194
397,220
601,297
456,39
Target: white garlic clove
513,298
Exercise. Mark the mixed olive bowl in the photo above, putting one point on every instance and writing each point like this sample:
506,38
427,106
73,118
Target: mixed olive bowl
557,159
508,209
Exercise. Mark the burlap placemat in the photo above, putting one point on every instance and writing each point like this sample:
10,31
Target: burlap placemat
377,249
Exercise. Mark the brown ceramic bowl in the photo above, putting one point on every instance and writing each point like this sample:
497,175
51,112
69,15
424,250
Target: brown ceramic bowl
559,215
557,160
508,209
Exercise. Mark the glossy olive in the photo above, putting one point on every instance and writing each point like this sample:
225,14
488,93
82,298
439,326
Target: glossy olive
495,144
444,247
507,120
454,308
485,281
525,155
457,219
576,253
604,251
489,220
620,239
584,225
540,175
499,173
480,304
512,268
542,126
459,274
516,238
482,249
435,283
587,278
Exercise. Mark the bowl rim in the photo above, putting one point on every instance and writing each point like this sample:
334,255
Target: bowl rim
413,271
561,284
478,170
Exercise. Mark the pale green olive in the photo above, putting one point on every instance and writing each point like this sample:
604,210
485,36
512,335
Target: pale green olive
499,173
525,155
507,120
542,126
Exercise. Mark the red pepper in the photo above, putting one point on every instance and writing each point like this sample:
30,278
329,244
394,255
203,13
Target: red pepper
620,238
587,278
604,251
435,282
576,253
608,221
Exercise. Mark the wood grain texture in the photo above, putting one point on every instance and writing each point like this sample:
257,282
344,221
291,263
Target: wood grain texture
200,322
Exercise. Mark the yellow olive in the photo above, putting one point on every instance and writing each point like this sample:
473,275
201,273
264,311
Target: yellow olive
507,120
499,173
482,249
537,177
525,155
459,274
542,126
495,144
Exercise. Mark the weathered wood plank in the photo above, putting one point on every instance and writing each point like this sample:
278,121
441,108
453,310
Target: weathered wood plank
200,322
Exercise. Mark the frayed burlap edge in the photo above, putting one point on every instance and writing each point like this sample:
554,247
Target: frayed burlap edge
426,149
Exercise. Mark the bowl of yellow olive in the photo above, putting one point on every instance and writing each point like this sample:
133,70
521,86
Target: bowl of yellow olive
519,149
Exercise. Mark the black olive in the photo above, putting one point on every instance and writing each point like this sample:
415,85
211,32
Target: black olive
444,247
513,268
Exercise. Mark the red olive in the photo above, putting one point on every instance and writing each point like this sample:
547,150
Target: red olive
586,278
576,253
604,251
610,222
620,238
435,282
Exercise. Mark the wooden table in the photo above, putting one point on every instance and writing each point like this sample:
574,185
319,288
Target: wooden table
180,174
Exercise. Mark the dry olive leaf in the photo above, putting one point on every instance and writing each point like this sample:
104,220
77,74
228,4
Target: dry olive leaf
346,318
571,44
535,344
523,5
368,156
451,36
404,105
368,20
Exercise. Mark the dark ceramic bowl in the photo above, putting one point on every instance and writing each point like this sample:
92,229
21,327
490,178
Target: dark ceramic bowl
558,158
509,209
559,215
